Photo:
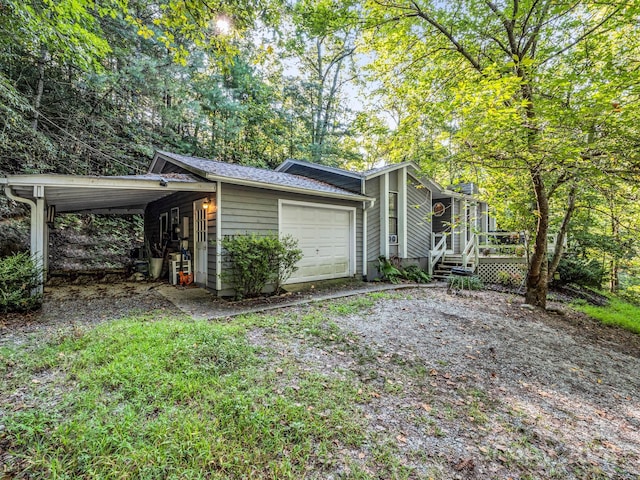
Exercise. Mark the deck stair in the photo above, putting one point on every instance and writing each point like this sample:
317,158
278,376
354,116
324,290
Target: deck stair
443,268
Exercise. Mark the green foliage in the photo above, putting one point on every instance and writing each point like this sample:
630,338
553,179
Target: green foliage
461,282
394,274
509,279
388,272
618,313
580,271
415,274
19,276
152,397
257,260
631,294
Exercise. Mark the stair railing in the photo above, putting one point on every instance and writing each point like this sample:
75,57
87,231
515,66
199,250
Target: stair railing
471,248
437,250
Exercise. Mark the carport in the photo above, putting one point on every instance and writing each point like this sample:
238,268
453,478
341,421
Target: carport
49,194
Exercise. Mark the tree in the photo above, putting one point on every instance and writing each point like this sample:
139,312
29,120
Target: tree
528,85
323,43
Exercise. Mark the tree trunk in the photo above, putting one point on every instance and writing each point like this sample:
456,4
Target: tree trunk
536,294
557,253
37,101
614,278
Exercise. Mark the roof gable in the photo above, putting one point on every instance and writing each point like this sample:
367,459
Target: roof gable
339,177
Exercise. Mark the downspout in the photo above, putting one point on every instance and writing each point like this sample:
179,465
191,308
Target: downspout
37,241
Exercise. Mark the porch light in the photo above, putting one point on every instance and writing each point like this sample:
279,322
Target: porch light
205,204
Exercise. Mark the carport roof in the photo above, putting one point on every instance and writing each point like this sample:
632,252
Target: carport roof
103,194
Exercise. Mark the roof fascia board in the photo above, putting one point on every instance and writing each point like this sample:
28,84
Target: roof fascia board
391,168
112,211
72,181
153,162
284,188
189,168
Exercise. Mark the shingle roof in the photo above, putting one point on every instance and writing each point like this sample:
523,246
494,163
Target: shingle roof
253,174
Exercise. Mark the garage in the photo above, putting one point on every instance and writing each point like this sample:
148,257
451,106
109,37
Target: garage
326,236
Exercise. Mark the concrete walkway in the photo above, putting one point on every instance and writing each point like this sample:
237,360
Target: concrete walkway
201,304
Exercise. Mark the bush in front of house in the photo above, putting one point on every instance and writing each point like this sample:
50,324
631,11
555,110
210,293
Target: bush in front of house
579,271
259,260
460,282
19,276
389,272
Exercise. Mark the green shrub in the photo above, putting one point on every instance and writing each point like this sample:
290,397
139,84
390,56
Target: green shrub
460,282
259,260
579,271
19,277
390,273
415,274
631,294
508,279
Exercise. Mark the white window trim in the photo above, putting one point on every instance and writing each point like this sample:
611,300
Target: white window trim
384,215
197,204
399,233
352,226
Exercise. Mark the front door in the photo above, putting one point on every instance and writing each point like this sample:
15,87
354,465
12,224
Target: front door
200,242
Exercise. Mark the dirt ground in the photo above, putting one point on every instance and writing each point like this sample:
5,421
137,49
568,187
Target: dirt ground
70,306
463,386
476,386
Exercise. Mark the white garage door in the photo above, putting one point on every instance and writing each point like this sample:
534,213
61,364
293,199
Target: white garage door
325,236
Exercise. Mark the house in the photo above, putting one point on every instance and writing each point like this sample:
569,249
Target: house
343,220
410,216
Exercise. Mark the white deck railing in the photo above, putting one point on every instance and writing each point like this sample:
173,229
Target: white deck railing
438,249
471,250
509,244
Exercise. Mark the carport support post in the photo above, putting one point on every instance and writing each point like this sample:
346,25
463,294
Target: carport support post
39,233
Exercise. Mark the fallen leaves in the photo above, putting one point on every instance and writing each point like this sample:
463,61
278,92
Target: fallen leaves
464,464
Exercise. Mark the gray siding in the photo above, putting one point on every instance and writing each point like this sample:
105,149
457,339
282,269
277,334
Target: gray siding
212,224
372,189
255,210
418,220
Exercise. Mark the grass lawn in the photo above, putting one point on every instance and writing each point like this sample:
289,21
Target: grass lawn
151,397
618,313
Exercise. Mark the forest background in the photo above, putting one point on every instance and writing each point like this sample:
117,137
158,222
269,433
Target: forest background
534,101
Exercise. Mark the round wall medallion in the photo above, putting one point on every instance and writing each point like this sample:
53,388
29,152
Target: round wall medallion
438,209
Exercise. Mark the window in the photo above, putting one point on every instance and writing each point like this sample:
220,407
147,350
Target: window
175,224
393,218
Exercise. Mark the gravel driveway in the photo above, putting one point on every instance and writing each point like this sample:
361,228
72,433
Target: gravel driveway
475,386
